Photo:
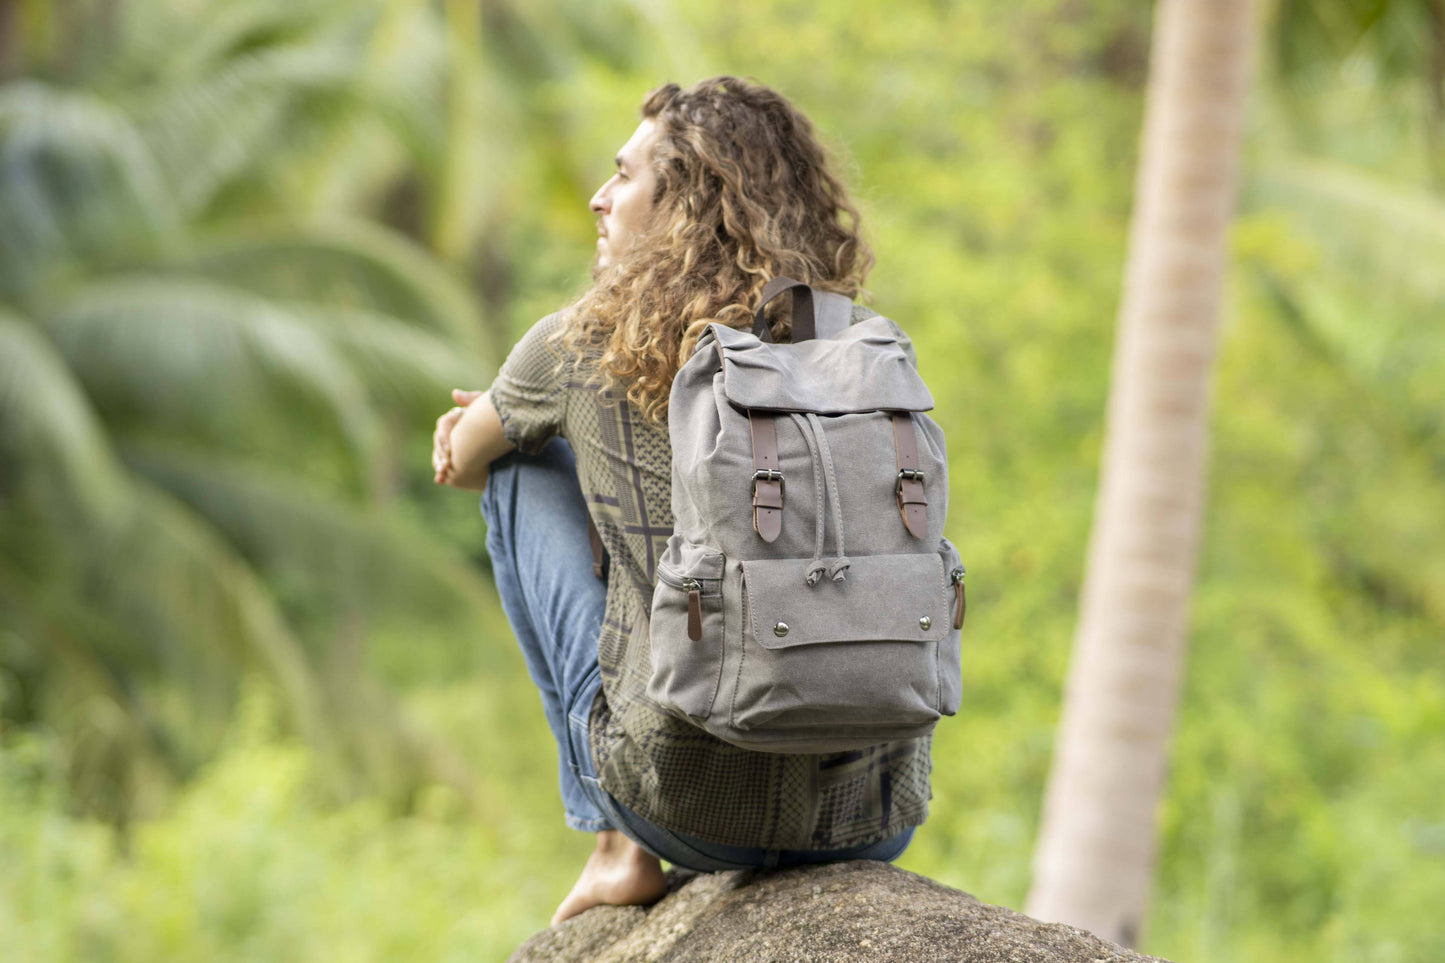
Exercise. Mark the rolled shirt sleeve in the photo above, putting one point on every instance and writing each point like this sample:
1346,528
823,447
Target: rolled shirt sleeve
530,390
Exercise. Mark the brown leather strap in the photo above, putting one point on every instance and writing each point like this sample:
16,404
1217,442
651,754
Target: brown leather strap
912,502
599,551
767,476
804,328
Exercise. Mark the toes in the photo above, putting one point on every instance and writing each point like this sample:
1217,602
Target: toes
570,907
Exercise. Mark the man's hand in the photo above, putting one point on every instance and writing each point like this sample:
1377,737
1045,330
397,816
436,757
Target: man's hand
468,438
441,455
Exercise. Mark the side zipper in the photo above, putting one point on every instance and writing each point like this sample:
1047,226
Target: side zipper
958,601
693,588
694,609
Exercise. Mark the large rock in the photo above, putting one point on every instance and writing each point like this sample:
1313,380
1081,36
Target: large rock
814,914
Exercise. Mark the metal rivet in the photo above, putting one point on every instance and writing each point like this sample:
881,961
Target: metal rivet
925,623
781,629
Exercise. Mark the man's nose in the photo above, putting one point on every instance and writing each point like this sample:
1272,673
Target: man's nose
600,203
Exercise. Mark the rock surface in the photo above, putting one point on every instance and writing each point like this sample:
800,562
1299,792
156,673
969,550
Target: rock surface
814,914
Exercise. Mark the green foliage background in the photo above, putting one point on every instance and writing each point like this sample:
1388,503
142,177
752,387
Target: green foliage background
258,700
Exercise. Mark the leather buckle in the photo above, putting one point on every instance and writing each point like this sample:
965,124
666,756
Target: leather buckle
906,474
769,474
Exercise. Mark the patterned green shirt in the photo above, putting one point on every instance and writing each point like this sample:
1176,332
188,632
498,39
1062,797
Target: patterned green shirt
666,769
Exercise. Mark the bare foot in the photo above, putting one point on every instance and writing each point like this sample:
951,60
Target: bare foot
618,873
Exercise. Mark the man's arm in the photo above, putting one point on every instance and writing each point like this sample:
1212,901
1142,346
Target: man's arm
467,440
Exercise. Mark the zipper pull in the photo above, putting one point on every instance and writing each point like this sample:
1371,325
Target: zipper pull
958,600
694,608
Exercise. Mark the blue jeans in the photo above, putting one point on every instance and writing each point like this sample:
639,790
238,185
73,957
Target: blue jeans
542,559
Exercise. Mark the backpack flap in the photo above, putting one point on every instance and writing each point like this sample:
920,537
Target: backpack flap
863,369
885,598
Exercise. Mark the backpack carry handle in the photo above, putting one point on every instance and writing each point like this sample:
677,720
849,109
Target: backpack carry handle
804,328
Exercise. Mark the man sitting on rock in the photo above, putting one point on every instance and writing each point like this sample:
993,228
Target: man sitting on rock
722,187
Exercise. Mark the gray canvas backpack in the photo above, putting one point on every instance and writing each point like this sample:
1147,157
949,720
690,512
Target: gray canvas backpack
807,600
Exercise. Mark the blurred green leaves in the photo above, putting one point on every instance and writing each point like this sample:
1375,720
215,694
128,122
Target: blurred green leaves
234,291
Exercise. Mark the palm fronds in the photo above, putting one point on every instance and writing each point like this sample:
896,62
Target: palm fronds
219,369
79,184
345,261
342,561
47,425
201,357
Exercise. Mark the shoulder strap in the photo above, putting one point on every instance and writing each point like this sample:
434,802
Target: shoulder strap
803,327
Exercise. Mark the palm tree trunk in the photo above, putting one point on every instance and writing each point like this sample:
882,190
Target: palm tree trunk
1095,853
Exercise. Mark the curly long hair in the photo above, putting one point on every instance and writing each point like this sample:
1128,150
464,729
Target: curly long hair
744,194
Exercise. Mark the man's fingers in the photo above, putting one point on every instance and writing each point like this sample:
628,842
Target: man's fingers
441,453
443,435
441,457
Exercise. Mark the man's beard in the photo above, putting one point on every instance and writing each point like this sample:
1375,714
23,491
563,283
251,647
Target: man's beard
601,271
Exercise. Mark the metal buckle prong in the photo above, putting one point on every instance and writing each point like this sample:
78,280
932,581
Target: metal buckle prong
769,474
906,474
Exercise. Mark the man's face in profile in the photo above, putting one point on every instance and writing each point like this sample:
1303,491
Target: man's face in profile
624,203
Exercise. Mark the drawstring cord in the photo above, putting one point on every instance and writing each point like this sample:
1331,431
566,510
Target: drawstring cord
837,571
826,485
815,571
